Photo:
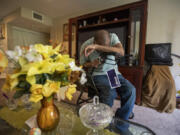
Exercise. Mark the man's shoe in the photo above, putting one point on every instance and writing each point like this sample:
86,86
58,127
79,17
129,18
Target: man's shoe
131,115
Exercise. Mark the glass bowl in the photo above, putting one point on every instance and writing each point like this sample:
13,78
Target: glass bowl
95,116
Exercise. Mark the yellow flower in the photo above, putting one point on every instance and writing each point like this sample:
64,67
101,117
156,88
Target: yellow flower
22,61
10,83
65,59
31,79
13,83
57,48
70,91
44,50
40,67
36,89
35,98
58,66
15,75
50,87
47,51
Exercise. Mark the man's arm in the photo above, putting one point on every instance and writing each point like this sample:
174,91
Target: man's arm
84,59
117,48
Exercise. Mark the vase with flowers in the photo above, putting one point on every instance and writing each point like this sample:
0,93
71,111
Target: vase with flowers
41,71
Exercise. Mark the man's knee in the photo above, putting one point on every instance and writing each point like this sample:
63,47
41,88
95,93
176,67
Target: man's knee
131,91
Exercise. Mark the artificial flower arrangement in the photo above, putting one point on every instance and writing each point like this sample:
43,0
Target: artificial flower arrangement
41,71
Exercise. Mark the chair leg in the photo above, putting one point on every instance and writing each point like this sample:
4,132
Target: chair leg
79,98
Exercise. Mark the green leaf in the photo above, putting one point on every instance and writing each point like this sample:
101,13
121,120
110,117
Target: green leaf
41,78
24,85
55,77
64,77
61,77
54,56
19,93
22,77
49,98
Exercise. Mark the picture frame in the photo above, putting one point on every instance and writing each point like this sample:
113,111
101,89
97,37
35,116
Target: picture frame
2,31
66,32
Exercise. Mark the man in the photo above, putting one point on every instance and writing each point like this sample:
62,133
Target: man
91,50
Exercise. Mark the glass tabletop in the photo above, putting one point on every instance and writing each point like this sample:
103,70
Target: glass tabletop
134,128
70,124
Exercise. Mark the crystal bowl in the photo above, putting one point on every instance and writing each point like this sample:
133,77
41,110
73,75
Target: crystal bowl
96,115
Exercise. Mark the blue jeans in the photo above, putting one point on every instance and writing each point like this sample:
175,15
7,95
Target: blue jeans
127,93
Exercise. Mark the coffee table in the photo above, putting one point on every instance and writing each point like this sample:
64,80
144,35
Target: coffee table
70,123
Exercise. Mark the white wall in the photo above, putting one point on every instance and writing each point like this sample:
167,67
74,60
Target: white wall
164,23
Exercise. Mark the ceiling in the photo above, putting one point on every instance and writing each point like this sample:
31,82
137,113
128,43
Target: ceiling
57,8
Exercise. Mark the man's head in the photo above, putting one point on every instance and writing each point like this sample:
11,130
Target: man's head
102,37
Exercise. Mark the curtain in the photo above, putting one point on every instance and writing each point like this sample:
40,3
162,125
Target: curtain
25,37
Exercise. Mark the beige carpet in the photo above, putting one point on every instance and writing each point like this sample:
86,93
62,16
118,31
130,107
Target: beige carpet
160,123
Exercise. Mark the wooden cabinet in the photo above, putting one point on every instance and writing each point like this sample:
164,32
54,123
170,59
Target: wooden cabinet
135,76
129,23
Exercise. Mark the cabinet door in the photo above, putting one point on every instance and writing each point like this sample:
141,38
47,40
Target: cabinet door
134,75
135,26
72,37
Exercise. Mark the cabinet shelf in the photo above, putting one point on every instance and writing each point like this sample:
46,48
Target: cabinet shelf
104,23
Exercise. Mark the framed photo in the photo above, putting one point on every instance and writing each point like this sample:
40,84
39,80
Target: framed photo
2,31
66,32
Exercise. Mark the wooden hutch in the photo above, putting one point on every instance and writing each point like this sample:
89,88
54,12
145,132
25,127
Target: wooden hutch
129,23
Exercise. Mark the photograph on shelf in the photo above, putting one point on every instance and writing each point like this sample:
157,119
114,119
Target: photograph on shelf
2,31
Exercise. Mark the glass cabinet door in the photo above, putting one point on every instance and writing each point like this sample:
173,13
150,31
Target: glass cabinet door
72,38
135,35
73,41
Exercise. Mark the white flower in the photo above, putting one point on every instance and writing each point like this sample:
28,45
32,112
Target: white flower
15,54
83,79
61,93
74,67
32,48
33,57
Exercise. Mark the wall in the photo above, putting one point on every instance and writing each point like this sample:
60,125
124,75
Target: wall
163,22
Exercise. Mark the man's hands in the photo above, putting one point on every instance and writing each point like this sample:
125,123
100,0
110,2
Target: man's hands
94,63
90,49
